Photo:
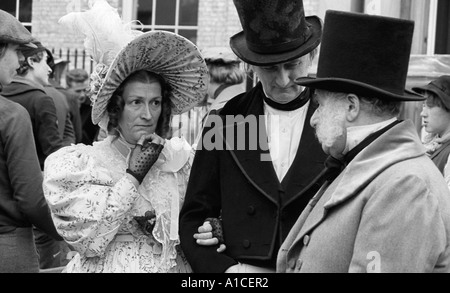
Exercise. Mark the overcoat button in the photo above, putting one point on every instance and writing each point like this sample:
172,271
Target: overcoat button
251,210
306,240
299,264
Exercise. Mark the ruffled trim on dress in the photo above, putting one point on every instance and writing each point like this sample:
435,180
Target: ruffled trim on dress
173,164
165,198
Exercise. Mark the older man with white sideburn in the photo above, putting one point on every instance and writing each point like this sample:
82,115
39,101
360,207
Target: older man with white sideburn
387,209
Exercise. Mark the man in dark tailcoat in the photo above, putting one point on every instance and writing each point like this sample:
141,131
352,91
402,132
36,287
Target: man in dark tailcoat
257,157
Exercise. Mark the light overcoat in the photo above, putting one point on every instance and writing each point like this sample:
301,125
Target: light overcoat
388,211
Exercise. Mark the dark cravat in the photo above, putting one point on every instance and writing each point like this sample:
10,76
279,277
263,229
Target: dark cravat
295,104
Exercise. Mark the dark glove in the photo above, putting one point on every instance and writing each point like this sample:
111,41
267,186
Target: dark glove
146,222
142,159
217,231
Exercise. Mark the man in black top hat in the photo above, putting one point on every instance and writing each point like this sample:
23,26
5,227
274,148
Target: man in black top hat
387,210
254,174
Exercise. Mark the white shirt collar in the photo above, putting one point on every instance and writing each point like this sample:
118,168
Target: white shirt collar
357,134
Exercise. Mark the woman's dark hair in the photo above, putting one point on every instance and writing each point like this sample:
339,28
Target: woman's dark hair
3,47
25,66
116,103
434,101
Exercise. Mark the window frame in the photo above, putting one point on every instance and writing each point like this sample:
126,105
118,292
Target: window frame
28,25
129,12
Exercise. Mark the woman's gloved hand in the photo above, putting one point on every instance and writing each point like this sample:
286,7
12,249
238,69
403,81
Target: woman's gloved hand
144,155
146,222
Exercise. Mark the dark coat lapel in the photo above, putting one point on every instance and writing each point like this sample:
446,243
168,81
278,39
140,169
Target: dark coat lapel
253,160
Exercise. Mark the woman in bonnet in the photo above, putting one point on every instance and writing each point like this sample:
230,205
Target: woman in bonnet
117,202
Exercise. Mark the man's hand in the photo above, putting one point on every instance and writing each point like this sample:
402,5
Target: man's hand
205,237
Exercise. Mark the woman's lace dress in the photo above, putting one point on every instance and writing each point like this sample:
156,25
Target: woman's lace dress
93,204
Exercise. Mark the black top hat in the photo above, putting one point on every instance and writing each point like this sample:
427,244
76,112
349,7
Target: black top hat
274,31
365,55
440,87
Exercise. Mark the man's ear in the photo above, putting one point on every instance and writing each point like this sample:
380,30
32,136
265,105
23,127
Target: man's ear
353,107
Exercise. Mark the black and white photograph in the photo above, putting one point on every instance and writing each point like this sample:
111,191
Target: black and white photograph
224,143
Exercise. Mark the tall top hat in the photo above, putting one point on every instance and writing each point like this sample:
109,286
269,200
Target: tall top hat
274,31
365,55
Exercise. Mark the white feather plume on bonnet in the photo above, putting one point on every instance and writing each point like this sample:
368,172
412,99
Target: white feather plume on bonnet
118,50
105,34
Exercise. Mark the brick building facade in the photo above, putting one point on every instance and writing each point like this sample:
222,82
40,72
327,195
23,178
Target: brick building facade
217,22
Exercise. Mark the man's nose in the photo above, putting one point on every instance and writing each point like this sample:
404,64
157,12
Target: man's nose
423,113
283,79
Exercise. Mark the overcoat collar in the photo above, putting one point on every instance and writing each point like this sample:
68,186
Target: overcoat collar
398,144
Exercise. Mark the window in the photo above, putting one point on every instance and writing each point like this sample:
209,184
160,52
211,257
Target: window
21,9
179,16
442,28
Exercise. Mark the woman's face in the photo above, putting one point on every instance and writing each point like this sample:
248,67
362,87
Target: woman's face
141,111
41,70
9,63
435,119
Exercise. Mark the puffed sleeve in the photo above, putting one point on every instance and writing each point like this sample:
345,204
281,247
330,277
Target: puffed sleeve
87,205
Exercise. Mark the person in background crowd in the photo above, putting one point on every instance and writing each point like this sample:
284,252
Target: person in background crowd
22,202
65,125
78,82
226,76
256,183
436,122
28,89
72,99
384,207
226,81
